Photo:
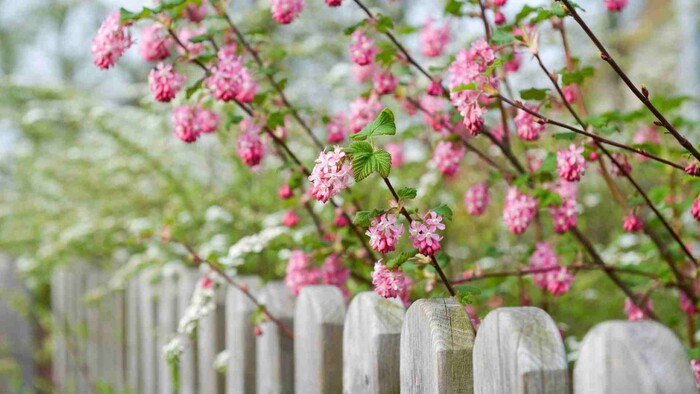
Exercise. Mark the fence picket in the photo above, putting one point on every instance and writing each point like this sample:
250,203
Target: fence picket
210,341
371,344
58,310
147,311
318,321
274,350
133,336
240,340
640,357
519,350
436,348
187,280
167,304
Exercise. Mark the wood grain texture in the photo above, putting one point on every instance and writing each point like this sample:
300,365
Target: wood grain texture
58,311
436,348
133,336
187,280
275,351
167,304
147,313
641,357
371,343
240,339
519,350
318,344
208,346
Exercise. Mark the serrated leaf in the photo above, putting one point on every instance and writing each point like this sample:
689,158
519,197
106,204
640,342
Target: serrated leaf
384,24
453,7
384,124
444,211
501,37
194,88
533,94
397,261
381,162
362,218
407,193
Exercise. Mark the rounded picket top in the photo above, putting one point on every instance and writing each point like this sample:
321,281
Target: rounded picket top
519,350
240,338
275,350
318,344
640,357
436,348
371,343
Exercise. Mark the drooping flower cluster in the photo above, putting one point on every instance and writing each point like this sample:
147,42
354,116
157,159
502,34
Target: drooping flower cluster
165,82
285,192
363,111
565,215
154,43
695,209
559,281
570,163
390,283
196,13
634,312
189,122
110,43
476,199
621,166
334,273
385,82
363,74
435,113
299,274
395,149
528,127
330,175
468,68
518,210
424,233
202,303
230,80
447,156
290,218
285,11
615,5
191,49
433,38
362,49
632,223
550,275
384,233
337,128
249,145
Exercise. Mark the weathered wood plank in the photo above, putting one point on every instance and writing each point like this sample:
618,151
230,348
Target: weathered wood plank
167,302
372,344
436,348
275,350
133,336
240,340
519,350
318,346
147,311
642,357
187,280
58,311
210,336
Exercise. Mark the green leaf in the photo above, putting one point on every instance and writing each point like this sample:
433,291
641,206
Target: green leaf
386,56
524,13
275,119
443,259
381,162
384,24
397,261
200,38
547,197
351,29
383,125
194,88
548,164
362,218
465,86
467,289
533,94
407,193
568,136
365,160
453,7
501,37
577,76
444,211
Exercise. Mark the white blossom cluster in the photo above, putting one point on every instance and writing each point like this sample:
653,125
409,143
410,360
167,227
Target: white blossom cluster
202,303
174,349
251,244
221,361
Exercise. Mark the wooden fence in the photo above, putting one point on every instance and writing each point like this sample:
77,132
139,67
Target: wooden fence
371,345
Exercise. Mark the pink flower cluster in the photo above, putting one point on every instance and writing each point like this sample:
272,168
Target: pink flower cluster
555,278
565,215
632,223
110,43
384,233
570,163
385,82
390,283
695,209
155,43
559,281
435,114
230,80
334,273
334,3
299,274
337,128
190,122
615,5
165,82
424,234
476,199
634,312
196,13
518,210
433,38
249,145
395,149
285,192
290,218
362,49
624,166
285,11
191,49
447,155
527,125
468,68
695,366
330,175
363,111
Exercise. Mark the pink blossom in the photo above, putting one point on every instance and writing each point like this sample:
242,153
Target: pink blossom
363,74
193,49
433,38
330,175
385,82
205,282
543,258
634,312
687,305
362,49
337,128
384,233
615,5
340,219
559,281
513,64
564,216
226,79
499,18
290,218
435,112
434,88
285,192
285,11
476,199
395,149
424,234
447,155
518,210
334,3
110,43
692,169
362,111
196,13
335,274
565,189
155,43
390,283
207,120
632,223
248,87
695,209
185,126
298,273
250,147
499,3
527,125
165,82
570,163
624,165
570,93
695,365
